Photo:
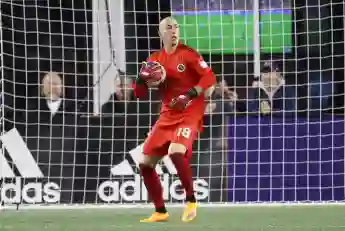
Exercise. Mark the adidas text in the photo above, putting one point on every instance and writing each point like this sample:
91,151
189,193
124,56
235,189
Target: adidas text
30,193
135,190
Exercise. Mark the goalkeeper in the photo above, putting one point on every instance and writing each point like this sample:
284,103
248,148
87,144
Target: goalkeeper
184,92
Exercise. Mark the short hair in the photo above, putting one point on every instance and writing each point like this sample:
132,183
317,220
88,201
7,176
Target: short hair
269,67
170,18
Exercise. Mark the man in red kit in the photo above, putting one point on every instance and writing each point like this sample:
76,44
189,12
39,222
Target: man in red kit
184,92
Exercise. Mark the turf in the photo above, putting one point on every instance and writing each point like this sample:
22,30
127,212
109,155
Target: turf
304,218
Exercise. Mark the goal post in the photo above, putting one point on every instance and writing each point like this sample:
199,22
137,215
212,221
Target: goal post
74,131
109,56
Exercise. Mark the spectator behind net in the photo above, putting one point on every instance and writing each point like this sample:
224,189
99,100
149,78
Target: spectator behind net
52,91
270,93
52,104
223,99
119,100
52,138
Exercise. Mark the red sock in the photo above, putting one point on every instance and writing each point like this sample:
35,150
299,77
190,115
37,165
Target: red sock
184,172
153,186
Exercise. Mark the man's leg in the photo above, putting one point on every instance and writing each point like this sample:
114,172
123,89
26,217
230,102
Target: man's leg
178,154
152,182
155,148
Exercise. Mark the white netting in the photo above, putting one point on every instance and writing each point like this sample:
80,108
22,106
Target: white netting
271,133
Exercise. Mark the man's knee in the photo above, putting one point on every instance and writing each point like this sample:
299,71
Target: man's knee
150,161
175,148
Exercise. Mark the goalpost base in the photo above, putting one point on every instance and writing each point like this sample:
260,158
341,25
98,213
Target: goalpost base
174,205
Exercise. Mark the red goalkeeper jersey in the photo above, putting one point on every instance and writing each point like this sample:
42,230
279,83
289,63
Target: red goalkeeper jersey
185,68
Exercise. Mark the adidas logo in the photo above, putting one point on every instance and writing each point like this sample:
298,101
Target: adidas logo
125,169
129,186
12,188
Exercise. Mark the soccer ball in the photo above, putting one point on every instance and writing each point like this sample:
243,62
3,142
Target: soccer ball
153,73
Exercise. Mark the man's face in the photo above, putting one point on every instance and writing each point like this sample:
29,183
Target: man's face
52,86
126,92
271,79
169,31
123,90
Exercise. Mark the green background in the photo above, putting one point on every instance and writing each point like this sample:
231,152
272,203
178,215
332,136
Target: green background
232,33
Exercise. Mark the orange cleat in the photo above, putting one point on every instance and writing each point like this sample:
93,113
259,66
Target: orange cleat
156,217
189,212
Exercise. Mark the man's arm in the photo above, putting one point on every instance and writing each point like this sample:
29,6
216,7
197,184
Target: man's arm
140,88
258,101
206,81
204,74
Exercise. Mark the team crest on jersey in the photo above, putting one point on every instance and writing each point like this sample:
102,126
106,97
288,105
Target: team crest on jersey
181,68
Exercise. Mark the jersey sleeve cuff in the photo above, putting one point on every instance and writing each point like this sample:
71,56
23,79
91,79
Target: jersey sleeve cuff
192,93
140,81
140,90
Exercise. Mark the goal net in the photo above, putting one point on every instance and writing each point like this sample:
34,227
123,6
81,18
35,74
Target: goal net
72,131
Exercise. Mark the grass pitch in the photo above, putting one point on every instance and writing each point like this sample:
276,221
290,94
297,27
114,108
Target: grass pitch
248,218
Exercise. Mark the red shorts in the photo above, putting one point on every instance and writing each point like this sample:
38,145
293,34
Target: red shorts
160,137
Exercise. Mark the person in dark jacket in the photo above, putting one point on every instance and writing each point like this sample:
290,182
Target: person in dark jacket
51,135
51,105
119,101
270,94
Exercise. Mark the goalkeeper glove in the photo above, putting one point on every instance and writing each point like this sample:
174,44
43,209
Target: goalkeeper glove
180,102
140,80
146,72
140,87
